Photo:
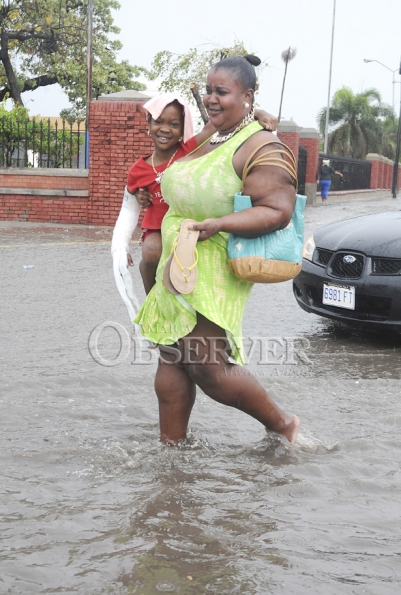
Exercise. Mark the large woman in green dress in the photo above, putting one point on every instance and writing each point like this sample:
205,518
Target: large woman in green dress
200,333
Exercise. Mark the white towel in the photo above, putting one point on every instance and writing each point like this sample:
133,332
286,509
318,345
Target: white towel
123,230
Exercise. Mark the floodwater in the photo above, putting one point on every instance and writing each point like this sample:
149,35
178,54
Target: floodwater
91,503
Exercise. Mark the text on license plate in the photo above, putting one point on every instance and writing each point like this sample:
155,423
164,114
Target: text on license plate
342,297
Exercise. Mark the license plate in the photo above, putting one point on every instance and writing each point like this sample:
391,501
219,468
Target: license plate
342,297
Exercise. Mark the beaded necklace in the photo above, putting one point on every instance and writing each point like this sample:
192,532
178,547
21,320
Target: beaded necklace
159,174
216,138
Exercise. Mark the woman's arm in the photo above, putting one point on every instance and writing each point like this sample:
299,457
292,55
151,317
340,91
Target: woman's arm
272,193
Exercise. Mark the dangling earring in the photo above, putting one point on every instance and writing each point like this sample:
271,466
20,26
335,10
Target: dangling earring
148,132
180,139
246,105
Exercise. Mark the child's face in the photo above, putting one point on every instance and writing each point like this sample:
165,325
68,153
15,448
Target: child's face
168,128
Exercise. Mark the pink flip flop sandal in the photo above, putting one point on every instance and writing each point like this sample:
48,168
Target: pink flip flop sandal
166,276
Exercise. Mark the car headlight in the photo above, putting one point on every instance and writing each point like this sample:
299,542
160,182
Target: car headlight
309,248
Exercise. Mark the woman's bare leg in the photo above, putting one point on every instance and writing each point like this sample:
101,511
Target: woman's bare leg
176,395
204,354
151,253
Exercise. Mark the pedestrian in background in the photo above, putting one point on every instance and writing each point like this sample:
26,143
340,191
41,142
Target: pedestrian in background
325,172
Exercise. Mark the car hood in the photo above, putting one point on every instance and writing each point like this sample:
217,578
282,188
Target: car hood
374,235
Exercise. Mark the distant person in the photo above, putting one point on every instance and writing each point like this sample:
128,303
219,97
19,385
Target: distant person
325,172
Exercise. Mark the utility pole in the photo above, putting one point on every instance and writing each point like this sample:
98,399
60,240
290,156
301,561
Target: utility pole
326,130
89,63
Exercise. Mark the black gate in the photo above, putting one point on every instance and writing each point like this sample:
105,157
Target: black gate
356,172
302,159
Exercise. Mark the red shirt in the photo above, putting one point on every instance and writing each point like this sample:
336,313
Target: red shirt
142,175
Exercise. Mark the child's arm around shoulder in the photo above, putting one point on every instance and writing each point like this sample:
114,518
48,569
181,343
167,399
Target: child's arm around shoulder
265,119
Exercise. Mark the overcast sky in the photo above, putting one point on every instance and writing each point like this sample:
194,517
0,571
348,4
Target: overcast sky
363,29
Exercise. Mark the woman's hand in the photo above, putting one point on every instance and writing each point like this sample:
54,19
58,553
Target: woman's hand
130,262
207,228
144,197
266,120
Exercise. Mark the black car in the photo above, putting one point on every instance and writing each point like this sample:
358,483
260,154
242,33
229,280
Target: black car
351,272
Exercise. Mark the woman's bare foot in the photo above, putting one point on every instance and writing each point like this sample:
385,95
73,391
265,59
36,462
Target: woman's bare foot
292,429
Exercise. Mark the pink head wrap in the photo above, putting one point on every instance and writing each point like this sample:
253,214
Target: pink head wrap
156,105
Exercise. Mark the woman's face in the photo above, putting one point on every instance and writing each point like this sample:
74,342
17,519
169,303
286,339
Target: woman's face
225,100
168,128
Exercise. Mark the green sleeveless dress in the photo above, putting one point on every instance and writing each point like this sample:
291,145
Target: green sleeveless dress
200,189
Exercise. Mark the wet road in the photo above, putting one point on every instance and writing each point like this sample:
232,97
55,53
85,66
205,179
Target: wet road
92,504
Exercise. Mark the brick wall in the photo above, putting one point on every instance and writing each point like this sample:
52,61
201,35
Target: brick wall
381,175
57,195
118,137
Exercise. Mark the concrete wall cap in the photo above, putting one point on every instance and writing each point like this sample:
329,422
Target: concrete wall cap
288,126
129,95
309,133
54,192
45,171
373,157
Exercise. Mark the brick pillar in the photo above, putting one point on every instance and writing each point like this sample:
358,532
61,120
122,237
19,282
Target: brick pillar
385,172
310,139
390,165
374,172
118,137
288,133
380,177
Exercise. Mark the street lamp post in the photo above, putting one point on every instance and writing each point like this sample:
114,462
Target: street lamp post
326,129
393,71
397,152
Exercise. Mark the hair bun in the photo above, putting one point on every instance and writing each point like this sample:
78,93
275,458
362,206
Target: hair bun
254,60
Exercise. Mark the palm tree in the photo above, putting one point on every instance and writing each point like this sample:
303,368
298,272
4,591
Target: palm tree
390,129
357,123
286,56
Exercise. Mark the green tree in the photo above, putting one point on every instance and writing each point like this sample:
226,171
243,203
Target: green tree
180,71
357,123
43,42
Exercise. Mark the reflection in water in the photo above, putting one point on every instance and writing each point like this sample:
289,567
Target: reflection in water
204,526
356,353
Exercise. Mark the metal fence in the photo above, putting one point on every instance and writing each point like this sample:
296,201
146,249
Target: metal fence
42,143
302,161
356,172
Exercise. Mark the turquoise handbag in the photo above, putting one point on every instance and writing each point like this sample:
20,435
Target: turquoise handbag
276,256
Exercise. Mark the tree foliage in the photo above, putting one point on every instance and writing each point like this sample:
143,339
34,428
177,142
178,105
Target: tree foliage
179,71
357,123
43,42
390,130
